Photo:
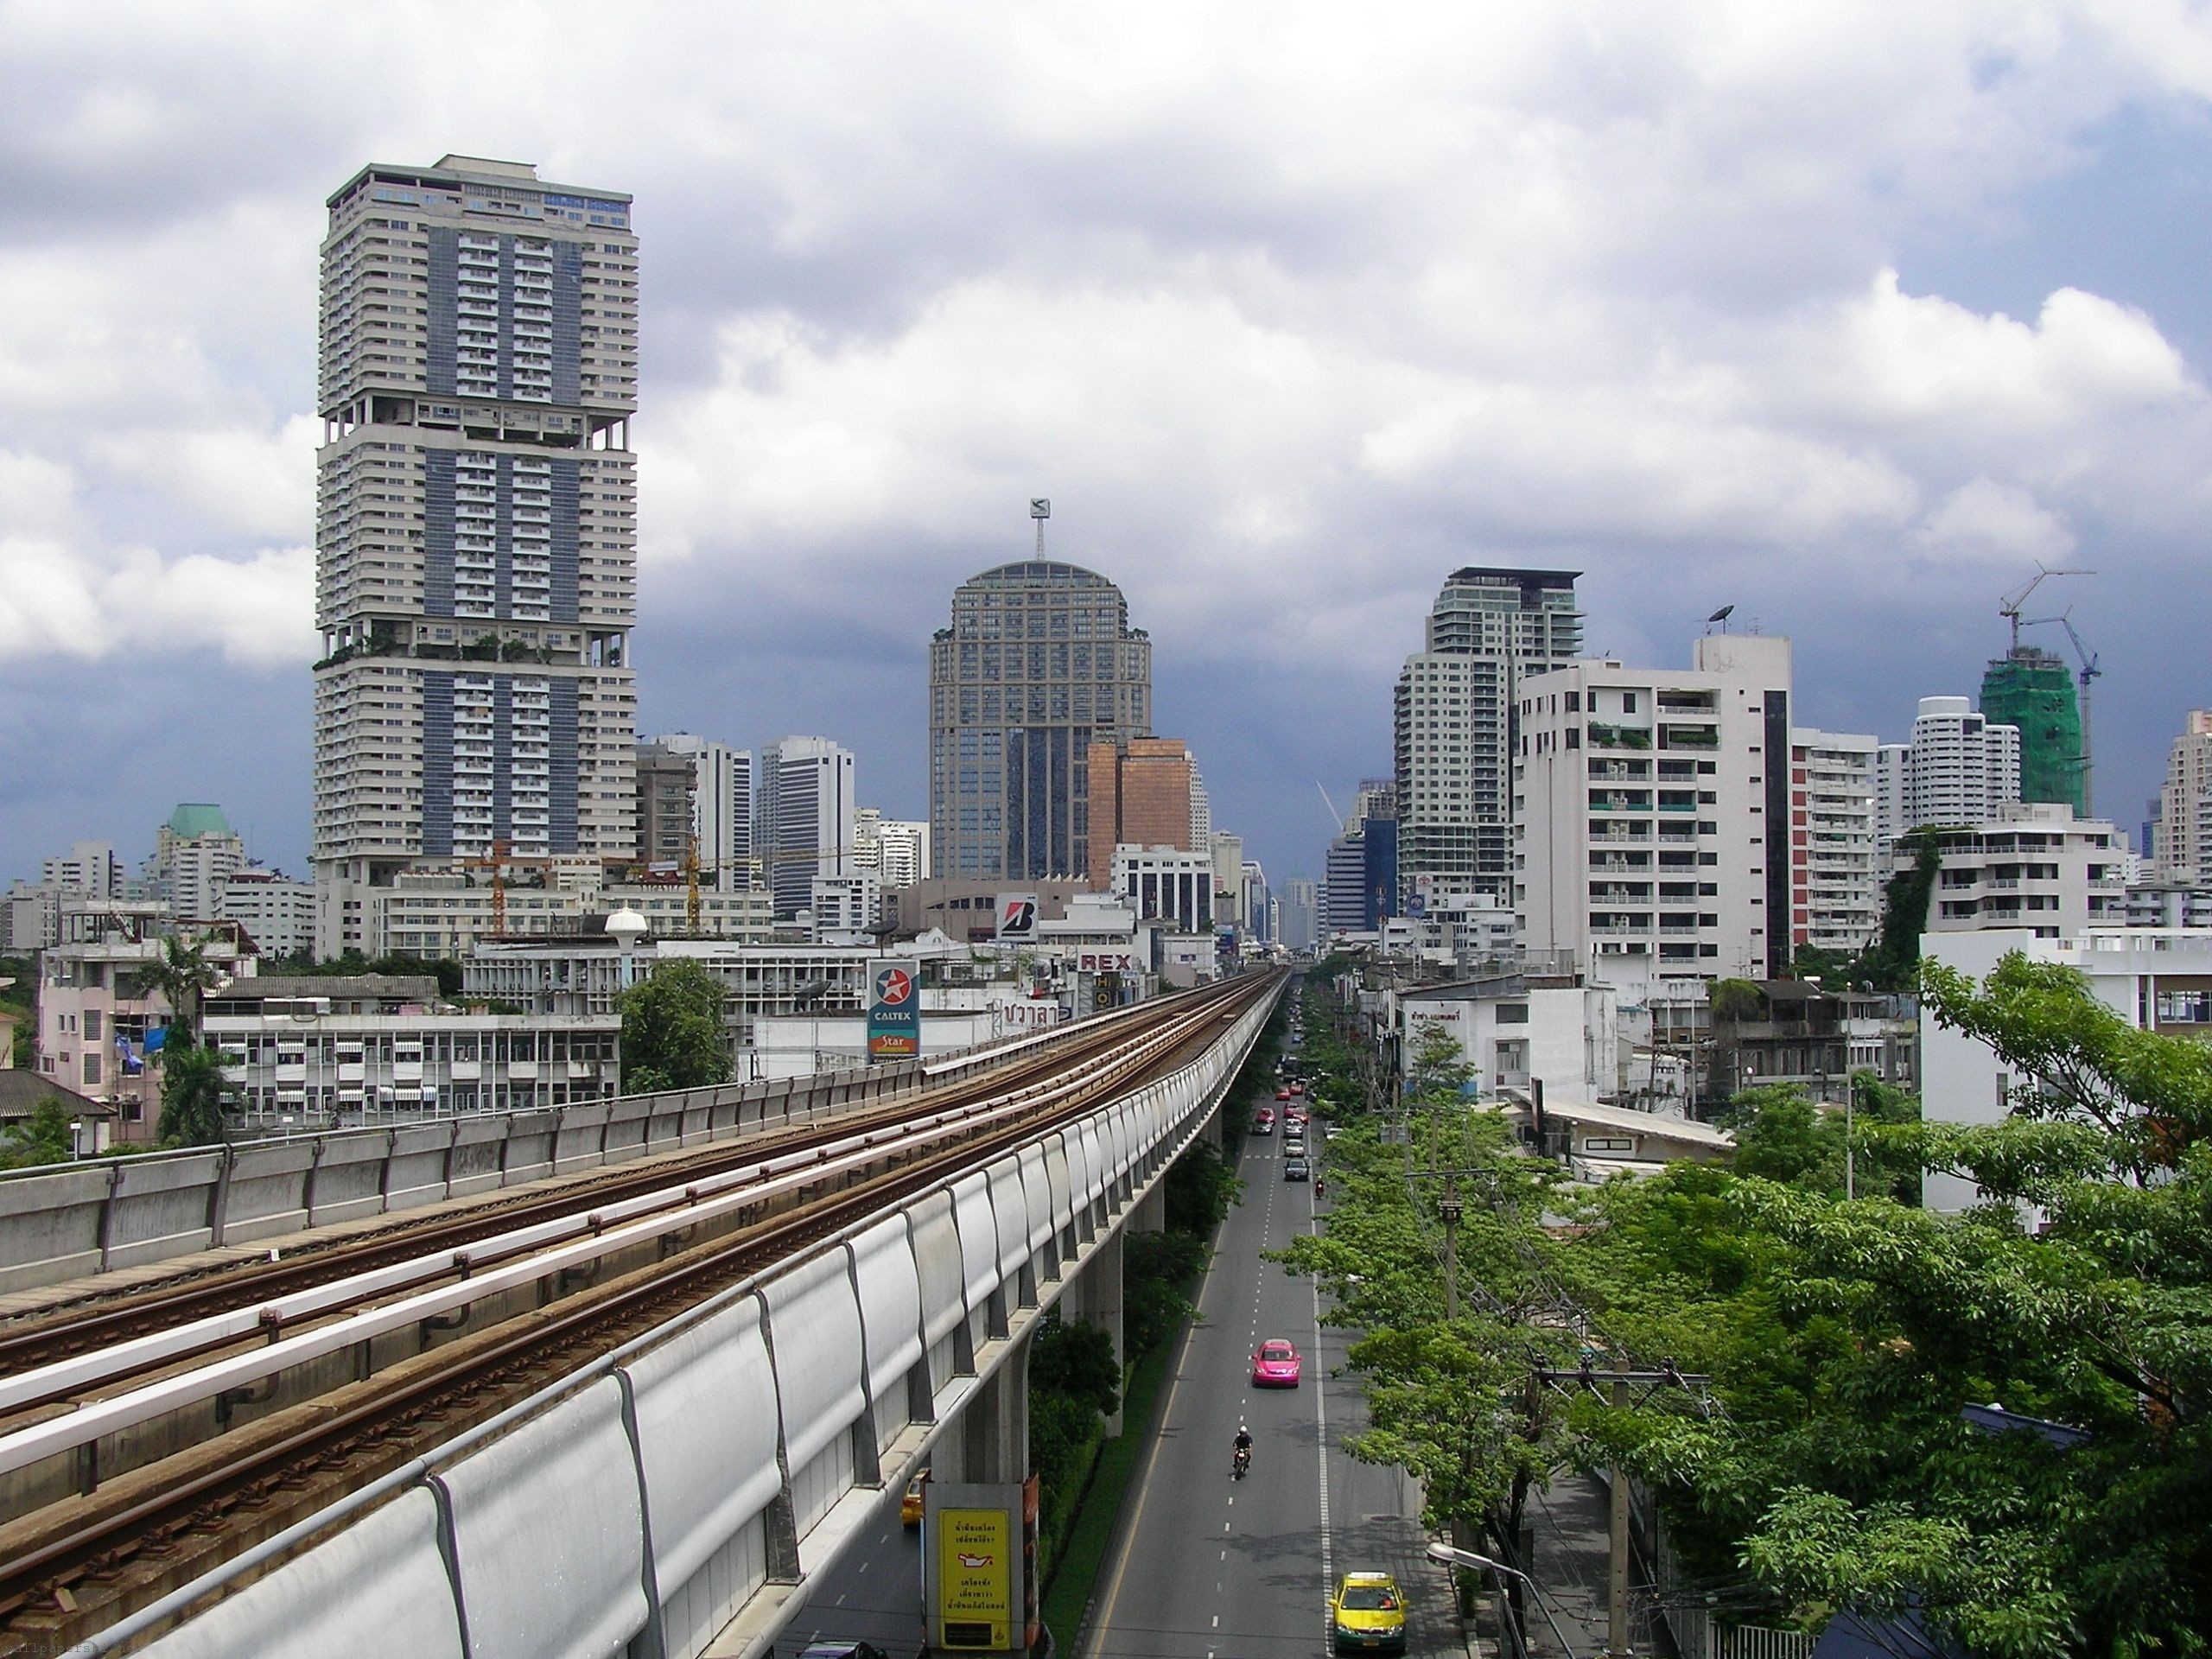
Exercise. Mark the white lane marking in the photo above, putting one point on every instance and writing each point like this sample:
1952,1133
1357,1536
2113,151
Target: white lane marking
1321,1423
1217,1621
1224,1526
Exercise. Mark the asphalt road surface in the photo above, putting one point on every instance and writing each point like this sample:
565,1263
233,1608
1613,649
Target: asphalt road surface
1209,1567
1205,1566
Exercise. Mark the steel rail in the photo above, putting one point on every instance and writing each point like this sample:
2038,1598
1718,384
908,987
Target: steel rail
505,1354
33,1341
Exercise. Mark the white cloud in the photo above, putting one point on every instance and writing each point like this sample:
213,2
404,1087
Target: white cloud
1993,523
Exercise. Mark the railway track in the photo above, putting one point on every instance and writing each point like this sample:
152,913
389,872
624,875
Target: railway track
125,1538
96,1319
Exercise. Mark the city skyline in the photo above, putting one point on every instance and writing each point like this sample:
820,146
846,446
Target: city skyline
1276,395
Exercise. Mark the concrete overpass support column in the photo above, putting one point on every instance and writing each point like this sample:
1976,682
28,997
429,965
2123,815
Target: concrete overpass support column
1096,1295
995,1422
1211,1131
1150,1214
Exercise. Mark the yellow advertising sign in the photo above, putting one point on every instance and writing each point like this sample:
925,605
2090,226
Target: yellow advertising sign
974,1577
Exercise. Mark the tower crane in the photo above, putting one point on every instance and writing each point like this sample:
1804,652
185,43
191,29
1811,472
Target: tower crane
2089,672
2009,607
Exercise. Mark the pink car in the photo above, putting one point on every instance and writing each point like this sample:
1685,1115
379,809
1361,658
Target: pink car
1276,1365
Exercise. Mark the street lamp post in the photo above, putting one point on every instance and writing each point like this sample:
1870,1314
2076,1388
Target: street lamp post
1445,1556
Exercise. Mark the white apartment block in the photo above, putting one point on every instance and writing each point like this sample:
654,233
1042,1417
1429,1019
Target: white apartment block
1654,811
2184,831
89,869
1958,768
2031,867
320,1052
1837,866
1201,810
1453,721
1167,883
895,850
276,913
428,914
1516,1029
721,808
802,817
1229,909
195,853
2168,905
845,907
476,525
2154,980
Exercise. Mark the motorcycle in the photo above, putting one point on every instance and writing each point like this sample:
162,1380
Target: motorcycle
1242,1465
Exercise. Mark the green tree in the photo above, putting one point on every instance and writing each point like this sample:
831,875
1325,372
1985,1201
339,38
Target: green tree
1847,1342
181,973
197,1099
672,1034
1078,1360
43,1138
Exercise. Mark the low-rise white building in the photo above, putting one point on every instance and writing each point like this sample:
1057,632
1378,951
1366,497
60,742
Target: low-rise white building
2158,980
276,911
427,914
2029,865
1167,883
325,1051
1562,1030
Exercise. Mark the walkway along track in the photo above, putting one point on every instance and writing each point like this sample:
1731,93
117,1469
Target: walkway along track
78,1565
97,1318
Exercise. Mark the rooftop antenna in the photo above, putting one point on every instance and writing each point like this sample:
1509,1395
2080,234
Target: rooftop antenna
2009,607
1721,617
1041,509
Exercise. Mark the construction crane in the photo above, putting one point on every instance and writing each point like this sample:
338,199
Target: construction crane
2089,672
2009,607
501,859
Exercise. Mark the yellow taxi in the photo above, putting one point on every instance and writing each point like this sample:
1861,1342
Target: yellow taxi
1367,1614
909,1502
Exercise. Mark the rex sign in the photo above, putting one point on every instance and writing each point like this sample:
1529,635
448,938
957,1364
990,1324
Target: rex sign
894,1011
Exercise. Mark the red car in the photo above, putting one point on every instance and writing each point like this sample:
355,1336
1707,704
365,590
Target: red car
1264,1123
1276,1365
1282,1094
1295,1114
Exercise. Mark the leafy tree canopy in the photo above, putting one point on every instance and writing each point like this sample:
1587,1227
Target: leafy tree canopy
197,1099
673,1030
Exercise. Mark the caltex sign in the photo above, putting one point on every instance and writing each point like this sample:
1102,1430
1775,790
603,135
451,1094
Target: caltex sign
894,1012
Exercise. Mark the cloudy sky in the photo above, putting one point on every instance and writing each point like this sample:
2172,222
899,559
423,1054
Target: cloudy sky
1843,313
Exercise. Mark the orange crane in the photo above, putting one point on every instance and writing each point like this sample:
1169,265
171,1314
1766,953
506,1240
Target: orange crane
500,860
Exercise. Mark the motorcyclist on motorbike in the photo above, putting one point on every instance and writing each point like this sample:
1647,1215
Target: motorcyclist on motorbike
1243,1459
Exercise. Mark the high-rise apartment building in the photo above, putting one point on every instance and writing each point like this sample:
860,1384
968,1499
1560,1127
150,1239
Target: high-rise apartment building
1040,662
1958,768
1139,791
2182,831
1454,721
721,808
1300,913
195,853
664,815
2032,691
803,820
1836,867
475,540
1201,810
1655,814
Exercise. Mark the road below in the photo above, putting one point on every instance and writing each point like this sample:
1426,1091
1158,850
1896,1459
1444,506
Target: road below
1208,1567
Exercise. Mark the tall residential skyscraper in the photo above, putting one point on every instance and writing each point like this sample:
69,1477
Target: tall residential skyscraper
1455,719
1040,662
802,825
1960,767
475,539
2033,691
195,854
2182,848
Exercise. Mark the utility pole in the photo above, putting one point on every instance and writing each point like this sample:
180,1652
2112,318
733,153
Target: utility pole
1617,1385
1448,1209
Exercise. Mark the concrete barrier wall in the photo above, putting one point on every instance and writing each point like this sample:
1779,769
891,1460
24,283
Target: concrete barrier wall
703,1428
59,1224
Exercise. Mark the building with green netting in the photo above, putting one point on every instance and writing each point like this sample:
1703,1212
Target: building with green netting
2034,690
